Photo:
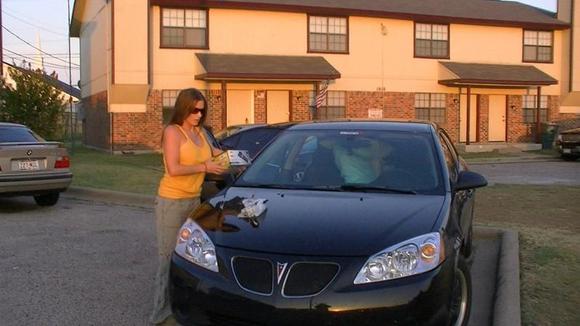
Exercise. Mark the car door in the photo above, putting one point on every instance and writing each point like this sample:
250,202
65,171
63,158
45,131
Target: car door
462,199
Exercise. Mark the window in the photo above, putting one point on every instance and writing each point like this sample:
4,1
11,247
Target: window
18,134
430,107
327,34
529,108
538,46
431,41
184,28
450,156
168,97
333,106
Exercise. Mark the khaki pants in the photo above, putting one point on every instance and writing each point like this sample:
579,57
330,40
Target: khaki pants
170,214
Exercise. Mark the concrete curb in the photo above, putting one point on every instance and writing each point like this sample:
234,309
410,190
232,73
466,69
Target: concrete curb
507,309
111,196
512,160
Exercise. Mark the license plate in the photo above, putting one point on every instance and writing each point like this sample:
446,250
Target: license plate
28,165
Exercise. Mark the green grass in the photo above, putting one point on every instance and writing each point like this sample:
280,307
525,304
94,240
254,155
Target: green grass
130,173
546,218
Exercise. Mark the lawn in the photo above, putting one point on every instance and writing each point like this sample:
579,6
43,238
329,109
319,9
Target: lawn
128,172
546,217
548,221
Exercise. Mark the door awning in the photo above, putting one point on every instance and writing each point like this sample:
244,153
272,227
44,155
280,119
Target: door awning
457,74
244,67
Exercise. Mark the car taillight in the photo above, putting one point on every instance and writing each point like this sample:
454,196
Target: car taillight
62,162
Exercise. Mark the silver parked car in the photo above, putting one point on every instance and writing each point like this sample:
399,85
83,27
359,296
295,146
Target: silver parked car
31,166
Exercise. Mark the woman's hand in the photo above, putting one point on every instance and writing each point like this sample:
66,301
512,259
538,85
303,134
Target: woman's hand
214,168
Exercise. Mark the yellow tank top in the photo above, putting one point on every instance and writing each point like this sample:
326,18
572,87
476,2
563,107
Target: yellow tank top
186,186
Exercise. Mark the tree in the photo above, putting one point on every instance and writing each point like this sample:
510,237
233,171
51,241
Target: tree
33,102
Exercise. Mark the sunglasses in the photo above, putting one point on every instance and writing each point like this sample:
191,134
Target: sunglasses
196,111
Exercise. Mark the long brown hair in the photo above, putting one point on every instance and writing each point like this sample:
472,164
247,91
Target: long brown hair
186,101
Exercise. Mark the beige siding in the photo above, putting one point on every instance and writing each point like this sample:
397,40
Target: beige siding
377,56
131,42
95,47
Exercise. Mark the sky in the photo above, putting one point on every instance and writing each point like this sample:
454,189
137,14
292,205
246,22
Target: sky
46,21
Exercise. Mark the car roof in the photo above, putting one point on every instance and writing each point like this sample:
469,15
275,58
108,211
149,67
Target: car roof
9,124
362,124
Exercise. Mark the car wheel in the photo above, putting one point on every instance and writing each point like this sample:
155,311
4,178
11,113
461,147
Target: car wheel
461,301
47,200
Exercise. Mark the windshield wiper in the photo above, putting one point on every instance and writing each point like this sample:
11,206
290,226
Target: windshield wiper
364,188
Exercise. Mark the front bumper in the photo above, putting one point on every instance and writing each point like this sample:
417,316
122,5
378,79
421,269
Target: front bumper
31,184
202,297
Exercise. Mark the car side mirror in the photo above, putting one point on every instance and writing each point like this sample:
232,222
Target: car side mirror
470,180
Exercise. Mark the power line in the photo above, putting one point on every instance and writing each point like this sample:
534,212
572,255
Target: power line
28,57
48,64
50,55
17,13
31,24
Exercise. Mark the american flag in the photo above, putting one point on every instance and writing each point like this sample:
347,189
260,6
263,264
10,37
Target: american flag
322,91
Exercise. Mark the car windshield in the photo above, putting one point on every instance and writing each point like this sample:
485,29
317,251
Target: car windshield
358,161
17,135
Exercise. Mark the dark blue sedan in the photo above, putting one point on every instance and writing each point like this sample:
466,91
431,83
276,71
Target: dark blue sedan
335,223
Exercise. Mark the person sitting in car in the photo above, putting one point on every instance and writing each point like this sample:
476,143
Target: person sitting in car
359,159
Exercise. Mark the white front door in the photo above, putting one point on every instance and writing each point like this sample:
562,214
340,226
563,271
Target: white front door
472,119
278,106
240,108
497,110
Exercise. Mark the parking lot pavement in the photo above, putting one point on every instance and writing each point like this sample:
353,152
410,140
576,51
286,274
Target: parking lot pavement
531,172
85,262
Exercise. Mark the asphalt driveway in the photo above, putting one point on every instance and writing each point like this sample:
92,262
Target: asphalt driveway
531,172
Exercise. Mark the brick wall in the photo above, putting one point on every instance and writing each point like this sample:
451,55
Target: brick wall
260,106
300,102
483,118
96,121
215,106
451,124
140,131
393,105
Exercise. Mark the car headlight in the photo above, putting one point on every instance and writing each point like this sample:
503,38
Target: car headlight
194,245
414,256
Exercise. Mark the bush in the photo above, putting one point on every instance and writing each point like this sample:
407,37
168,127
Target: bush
31,101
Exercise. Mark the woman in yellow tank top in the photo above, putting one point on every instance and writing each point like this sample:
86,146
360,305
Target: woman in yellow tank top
187,158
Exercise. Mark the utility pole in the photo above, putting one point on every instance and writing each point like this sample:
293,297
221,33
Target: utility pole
70,104
1,44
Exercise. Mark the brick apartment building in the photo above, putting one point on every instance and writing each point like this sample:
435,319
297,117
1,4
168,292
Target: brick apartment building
479,68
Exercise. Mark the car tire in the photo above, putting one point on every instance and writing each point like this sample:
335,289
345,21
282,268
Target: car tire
461,301
47,200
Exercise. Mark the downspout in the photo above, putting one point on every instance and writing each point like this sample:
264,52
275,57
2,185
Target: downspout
571,77
109,77
538,125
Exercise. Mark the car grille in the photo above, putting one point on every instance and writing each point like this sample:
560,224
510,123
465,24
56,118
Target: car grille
254,275
309,279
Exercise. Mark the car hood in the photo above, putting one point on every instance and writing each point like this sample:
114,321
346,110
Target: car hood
319,223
